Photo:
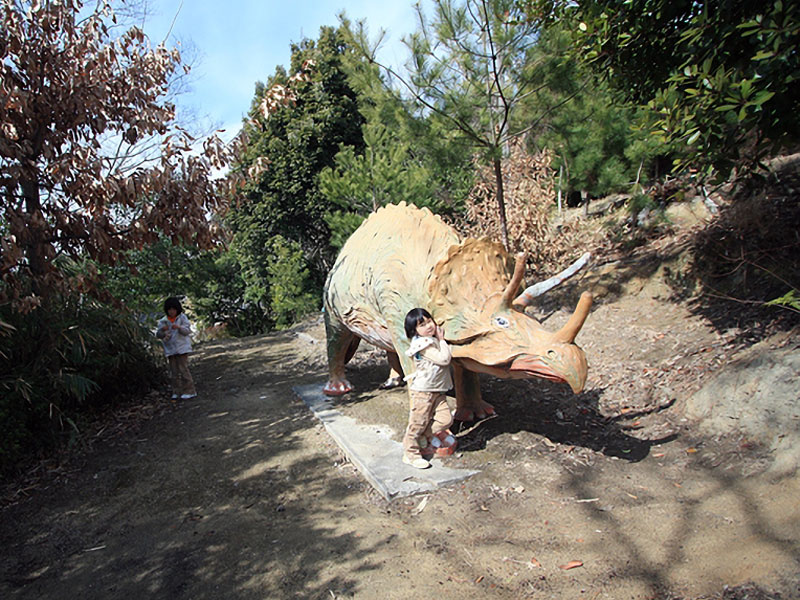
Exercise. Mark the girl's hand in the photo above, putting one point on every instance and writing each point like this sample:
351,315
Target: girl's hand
175,327
439,332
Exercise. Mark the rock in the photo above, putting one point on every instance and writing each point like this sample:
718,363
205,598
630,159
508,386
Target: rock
759,395
686,214
307,338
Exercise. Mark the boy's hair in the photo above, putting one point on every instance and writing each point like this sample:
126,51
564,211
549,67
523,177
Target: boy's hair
414,317
172,302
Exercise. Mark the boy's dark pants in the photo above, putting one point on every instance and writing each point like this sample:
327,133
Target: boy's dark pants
180,378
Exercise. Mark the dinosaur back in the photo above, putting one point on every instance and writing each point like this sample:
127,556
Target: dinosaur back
383,268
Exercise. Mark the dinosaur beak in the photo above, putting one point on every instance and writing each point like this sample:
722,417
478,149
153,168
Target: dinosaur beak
571,369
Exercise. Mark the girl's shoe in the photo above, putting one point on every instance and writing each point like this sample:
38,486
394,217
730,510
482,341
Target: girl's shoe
444,443
175,396
416,461
187,396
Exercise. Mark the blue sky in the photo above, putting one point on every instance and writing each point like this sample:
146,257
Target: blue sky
239,42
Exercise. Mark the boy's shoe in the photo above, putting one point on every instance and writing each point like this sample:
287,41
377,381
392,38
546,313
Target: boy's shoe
416,461
187,396
175,396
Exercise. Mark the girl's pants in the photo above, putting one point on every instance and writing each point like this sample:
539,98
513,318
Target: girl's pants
428,415
180,378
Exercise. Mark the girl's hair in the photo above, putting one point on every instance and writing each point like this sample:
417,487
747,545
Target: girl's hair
172,302
414,317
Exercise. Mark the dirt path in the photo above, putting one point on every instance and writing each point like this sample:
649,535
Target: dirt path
241,494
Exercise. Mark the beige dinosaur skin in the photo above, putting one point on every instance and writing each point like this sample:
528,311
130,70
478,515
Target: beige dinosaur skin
404,257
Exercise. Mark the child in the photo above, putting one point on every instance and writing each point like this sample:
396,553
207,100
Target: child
429,414
173,331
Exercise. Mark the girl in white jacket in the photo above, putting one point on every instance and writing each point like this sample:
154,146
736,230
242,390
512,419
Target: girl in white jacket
429,415
174,330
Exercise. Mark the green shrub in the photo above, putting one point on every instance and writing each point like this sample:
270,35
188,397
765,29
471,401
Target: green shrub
790,300
342,224
290,299
639,202
62,362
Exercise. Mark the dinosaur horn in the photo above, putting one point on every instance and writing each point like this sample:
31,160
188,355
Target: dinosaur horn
568,332
516,279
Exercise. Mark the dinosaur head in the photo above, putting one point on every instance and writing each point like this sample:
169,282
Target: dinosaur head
472,295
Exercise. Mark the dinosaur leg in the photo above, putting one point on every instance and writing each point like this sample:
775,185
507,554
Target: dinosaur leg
342,344
395,374
469,404
400,363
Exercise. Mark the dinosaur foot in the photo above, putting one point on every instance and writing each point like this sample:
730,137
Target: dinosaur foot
471,413
391,383
337,387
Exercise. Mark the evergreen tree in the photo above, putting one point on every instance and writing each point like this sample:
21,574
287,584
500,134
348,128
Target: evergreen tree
466,75
361,183
720,77
597,146
405,157
297,125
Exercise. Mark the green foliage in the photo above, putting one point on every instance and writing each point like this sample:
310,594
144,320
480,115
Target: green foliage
721,78
342,225
583,122
466,68
337,143
290,299
211,280
297,139
143,278
437,164
62,361
217,295
384,173
790,300
639,202
450,162
466,76
592,149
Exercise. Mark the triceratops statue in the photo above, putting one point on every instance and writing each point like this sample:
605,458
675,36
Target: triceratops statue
402,257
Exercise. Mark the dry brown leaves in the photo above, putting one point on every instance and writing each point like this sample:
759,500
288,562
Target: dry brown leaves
529,191
93,160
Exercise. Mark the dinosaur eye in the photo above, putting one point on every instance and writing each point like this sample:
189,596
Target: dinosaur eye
501,321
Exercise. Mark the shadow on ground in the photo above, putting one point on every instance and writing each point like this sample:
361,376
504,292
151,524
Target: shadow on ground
538,407
562,419
223,498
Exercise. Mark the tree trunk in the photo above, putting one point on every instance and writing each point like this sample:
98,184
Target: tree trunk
35,248
372,180
501,202
560,183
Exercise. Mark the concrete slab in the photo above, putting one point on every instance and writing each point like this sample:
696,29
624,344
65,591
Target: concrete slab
374,453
